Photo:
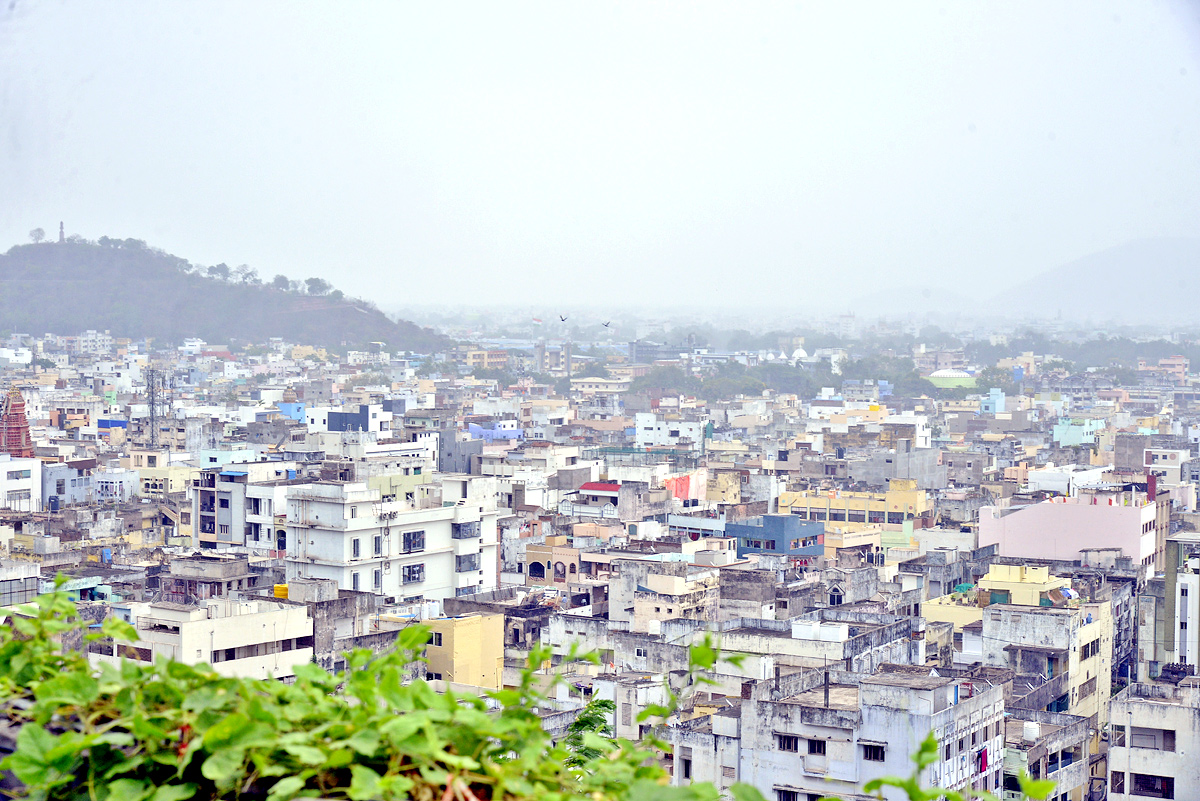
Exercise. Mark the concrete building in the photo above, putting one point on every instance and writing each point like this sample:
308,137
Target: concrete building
236,505
1154,740
1069,647
20,483
251,639
443,544
1061,528
1169,611
467,650
1047,745
813,734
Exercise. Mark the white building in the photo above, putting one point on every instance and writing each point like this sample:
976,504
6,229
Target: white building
235,505
1154,740
798,738
442,544
652,431
20,484
250,639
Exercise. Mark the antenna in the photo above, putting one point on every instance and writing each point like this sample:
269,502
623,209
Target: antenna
156,394
152,401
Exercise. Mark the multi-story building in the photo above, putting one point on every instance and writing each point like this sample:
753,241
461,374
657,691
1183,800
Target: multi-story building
1153,741
1169,610
252,639
443,544
236,505
1127,518
814,734
20,483
1071,647
467,650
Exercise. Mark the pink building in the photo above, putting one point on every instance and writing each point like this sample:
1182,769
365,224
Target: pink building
1060,528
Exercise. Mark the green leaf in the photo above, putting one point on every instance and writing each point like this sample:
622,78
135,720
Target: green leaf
745,792
223,766
68,689
174,792
307,754
1037,789
703,655
129,789
364,783
364,741
286,788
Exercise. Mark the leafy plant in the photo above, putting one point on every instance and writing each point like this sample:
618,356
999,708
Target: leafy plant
168,731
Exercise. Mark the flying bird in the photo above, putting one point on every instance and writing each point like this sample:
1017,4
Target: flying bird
564,319
606,325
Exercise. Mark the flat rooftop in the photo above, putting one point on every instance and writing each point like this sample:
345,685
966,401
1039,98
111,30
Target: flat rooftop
841,696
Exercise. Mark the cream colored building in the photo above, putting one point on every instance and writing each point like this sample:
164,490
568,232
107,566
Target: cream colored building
467,650
247,639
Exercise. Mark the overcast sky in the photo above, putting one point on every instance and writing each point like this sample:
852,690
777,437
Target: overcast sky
628,153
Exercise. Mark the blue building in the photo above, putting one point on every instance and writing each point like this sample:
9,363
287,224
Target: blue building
786,535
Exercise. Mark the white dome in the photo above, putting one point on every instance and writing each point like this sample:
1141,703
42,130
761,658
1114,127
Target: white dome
948,373
799,353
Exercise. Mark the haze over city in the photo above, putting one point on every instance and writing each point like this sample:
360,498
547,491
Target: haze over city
801,155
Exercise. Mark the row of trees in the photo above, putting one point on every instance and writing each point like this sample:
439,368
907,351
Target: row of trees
242,274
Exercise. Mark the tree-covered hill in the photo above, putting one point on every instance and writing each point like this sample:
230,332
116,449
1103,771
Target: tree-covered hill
137,291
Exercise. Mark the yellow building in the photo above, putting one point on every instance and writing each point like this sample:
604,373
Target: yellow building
1026,585
467,650
902,501
849,536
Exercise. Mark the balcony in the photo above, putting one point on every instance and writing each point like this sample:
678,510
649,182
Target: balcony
464,531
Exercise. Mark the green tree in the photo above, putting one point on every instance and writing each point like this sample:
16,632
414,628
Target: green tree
37,235
219,271
317,286
281,283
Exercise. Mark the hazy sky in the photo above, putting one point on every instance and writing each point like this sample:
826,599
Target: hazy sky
629,153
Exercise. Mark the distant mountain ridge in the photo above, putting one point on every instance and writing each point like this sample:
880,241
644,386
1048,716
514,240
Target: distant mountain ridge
1143,281
138,291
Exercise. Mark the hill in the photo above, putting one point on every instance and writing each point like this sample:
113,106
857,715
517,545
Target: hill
137,291
1143,281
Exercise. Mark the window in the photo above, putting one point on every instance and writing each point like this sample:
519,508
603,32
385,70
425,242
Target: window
378,546
1148,784
816,747
1090,649
787,795
640,652
1183,592
355,551
1118,782
437,638
466,563
224,503
353,512
224,529
1088,688
354,581
413,574
686,768
788,742
378,579
873,753
414,541
14,475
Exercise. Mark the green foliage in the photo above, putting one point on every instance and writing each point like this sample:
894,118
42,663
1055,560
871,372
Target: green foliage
138,291
169,732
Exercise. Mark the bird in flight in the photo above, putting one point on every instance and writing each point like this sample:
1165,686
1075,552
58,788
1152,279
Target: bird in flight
564,319
606,325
